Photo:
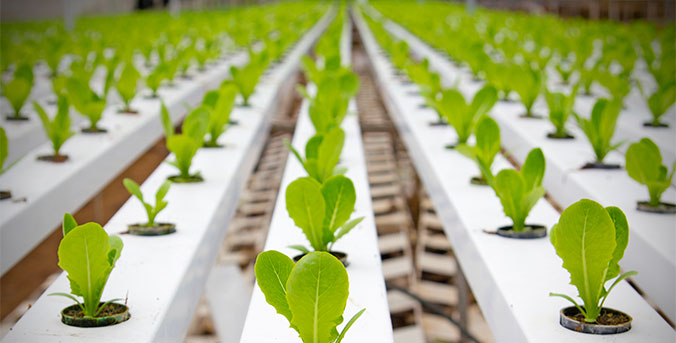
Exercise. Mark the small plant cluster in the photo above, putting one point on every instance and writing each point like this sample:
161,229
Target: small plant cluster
311,294
88,254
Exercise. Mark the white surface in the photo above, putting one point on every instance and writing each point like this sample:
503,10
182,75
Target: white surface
510,278
652,243
94,160
367,287
228,294
164,276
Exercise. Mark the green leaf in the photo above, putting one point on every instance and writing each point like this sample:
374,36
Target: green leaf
300,248
4,149
349,325
306,206
621,240
133,188
69,223
84,255
127,84
584,238
329,152
644,164
340,197
347,227
533,169
166,121
162,192
317,291
272,271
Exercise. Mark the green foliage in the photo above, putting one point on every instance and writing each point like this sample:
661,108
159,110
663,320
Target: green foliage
329,105
185,145
617,86
519,191
644,164
4,149
528,86
155,78
322,211
58,130
127,84
591,241
311,294
220,107
17,90
246,78
88,255
152,211
399,52
560,109
660,101
86,101
487,134
322,153
463,116
600,128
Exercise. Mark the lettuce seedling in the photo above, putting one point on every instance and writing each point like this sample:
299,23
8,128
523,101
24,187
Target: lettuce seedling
487,134
644,164
601,127
17,90
565,70
591,241
127,85
246,78
528,87
111,67
560,109
87,102
58,130
322,211
617,86
322,153
519,191
185,145
220,108
329,106
88,255
463,116
399,52
152,211
310,294
155,78
659,102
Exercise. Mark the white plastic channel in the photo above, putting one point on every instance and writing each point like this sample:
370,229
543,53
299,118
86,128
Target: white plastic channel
367,286
164,276
510,278
652,244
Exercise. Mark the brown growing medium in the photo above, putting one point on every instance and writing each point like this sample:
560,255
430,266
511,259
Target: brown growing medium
607,317
109,310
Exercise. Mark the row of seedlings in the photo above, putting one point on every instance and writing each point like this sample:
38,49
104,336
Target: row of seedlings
329,208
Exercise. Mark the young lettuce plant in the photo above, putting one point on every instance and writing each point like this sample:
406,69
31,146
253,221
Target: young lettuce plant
463,116
4,152
560,109
322,211
246,78
17,90
520,190
599,130
329,105
151,227
399,52
88,254
87,102
221,106
313,305
487,134
322,153
154,80
528,87
616,85
644,164
127,86
591,241
185,145
659,102
57,130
